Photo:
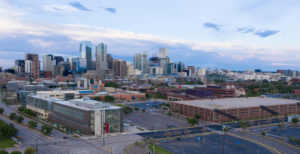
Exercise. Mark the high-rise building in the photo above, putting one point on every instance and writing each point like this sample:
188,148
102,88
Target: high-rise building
163,52
59,70
281,71
130,70
79,65
155,70
32,57
180,66
101,49
109,61
201,71
169,68
0,69
154,62
48,63
86,52
58,59
28,67
35,67
20,67
192,68
118,67
140,62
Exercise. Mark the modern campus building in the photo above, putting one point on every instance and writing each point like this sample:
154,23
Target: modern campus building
40,104
220,110
64,95
87,116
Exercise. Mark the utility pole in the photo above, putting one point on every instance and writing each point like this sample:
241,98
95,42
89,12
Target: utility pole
258,148
36,146
223,141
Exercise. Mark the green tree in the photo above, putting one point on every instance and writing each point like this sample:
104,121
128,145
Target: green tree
30,80
109,98
97,98
143,110
264,81
1,110
200,83
46,129
21,109
67,81
32,124
151,88
92,81
295,121
4,152
20,119
147,95
136,108
192,121
169,113
13,116
16,152
29,150
197,116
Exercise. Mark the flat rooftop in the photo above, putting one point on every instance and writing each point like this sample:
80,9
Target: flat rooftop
231,103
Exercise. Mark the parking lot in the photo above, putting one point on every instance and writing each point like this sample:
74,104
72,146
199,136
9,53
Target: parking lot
275,131
147,105
161,134
213,145
156,121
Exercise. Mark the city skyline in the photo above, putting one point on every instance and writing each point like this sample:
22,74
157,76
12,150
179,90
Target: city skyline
255,34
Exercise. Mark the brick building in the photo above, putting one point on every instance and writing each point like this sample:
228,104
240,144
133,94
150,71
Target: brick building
218,110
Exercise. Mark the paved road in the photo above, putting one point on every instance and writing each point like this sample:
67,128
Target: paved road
71,145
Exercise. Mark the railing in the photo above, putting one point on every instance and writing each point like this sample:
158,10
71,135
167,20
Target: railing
225,114
268,109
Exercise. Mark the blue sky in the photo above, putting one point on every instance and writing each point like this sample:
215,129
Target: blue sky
229,34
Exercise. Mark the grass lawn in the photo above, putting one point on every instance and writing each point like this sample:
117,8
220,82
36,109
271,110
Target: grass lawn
6,142
159,150
119,105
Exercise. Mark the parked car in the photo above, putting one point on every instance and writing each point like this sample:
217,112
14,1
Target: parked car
65,137
169,126
173,125
178,138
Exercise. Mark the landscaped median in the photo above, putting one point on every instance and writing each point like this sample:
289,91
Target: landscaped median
158,149
6,142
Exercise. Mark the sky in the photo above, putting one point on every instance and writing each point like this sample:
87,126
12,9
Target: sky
228,34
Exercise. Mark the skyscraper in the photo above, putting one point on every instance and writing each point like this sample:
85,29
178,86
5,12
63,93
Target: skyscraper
140,62
58,59
48,63
20,67
33,63
163,52
180,66
86,52
28,67
101,56
32,57
109,61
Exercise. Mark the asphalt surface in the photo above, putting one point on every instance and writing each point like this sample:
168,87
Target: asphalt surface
213,145
146,105
156,121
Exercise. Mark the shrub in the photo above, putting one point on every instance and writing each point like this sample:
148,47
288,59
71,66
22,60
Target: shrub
29,150
1,110
192,121
16,152
143,110
32,124
46,129
187,118
4,152
13,116
263,133
142,143
21,109
20,119
169,113
136,108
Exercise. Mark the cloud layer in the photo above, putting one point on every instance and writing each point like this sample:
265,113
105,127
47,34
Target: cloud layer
79,6
212,25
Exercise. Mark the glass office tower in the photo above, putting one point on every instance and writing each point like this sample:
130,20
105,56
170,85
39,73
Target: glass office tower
86,52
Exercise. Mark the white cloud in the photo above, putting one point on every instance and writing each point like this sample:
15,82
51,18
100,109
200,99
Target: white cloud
59,8
282,64
41,43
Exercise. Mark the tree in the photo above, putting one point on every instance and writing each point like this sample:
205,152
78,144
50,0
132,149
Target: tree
109,98
264,81
4,152
13,116
92,81
136,108
151,88
177,133
142,143
32,124
295,121
1,110
30,80
46,129
263,133
192,121
67,81
168,134
97,98
147,95
143,110
204,129
16,152
180,112
197,116
29,150
20,119
169,113
151,140
21,109
187,118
